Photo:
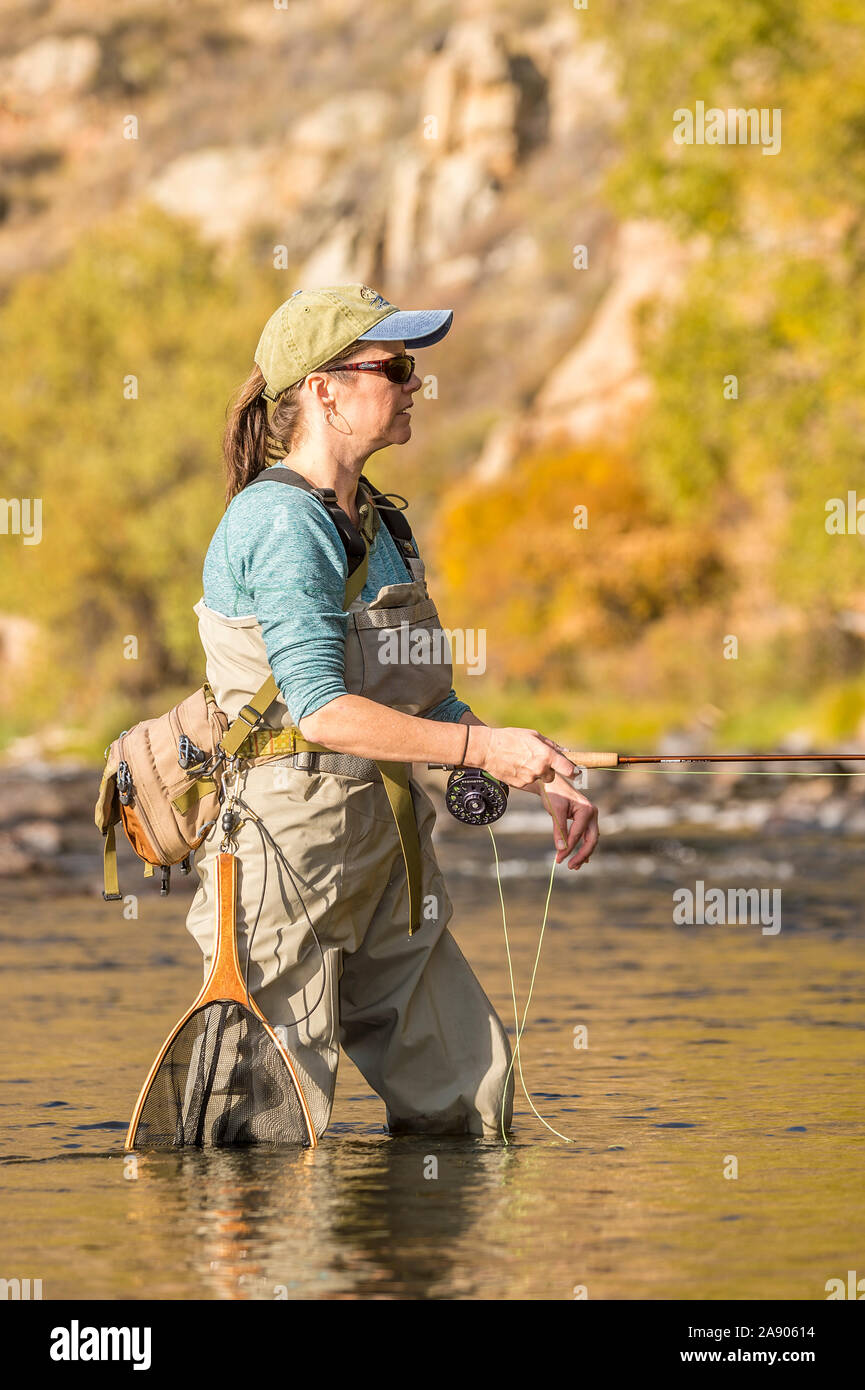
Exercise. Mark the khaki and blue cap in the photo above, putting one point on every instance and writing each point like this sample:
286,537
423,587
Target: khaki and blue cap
314,325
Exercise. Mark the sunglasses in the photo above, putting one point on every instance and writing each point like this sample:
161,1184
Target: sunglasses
396,369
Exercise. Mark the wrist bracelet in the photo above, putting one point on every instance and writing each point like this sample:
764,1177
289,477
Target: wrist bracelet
462,760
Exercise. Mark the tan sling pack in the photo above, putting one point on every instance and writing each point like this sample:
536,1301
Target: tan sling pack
163,778
165,812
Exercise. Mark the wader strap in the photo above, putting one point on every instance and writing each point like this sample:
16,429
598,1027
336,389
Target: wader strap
395,778
356,581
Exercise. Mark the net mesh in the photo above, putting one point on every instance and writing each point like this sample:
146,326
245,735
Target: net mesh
222,1081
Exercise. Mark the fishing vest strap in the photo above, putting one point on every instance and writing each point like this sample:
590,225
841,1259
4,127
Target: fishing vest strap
249,716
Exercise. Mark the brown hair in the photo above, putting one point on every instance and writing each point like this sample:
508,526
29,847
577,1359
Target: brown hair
252,441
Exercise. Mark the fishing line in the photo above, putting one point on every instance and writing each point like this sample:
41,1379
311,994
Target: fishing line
486,811
520,1027
517,1054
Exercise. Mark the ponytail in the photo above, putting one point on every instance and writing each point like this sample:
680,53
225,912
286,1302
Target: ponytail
246,441
251,441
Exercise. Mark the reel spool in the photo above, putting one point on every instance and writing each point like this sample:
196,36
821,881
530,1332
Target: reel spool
474,797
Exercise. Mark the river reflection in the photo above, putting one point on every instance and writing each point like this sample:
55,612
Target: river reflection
704,1045
370,1219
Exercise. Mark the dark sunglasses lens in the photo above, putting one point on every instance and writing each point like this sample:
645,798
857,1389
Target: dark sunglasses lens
399,369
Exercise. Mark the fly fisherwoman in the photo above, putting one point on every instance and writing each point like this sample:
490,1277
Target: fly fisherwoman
325,769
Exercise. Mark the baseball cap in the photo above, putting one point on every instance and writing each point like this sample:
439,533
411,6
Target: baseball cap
313,325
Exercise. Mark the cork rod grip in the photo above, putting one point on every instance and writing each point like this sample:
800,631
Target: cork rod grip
592,759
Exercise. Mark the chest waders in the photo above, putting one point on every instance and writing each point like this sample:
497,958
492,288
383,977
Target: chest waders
389,984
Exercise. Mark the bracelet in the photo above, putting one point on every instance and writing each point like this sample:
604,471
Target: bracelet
462,760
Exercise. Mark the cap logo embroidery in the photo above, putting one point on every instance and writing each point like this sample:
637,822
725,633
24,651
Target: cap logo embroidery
378,301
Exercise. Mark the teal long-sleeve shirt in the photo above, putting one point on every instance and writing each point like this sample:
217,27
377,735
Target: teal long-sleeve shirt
277,554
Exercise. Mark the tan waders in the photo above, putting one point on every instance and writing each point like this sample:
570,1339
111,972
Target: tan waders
407,1008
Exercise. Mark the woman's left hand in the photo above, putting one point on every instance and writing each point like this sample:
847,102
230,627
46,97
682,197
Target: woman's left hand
575,819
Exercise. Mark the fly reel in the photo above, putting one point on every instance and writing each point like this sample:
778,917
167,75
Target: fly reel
474,797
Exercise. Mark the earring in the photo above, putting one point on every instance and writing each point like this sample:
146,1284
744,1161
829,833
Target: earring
329,416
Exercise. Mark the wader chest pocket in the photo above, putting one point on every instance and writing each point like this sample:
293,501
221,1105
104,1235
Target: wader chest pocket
396,651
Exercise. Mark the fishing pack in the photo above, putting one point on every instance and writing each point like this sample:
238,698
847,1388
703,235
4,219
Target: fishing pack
162,779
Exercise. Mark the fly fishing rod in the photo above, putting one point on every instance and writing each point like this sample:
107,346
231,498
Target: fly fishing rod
474,797
607,760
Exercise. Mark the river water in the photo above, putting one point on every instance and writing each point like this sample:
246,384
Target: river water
709,1049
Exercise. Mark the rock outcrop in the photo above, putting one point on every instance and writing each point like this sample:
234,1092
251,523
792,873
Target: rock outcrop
415,176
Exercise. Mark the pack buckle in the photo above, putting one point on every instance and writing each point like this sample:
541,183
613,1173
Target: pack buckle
124,784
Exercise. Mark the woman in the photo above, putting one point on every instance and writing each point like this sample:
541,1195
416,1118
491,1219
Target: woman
389,984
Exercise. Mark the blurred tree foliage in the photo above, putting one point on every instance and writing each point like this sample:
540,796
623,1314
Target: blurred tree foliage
779,301
716,524
566,562
131,489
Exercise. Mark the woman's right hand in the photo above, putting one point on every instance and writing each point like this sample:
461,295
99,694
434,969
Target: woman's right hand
518,757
